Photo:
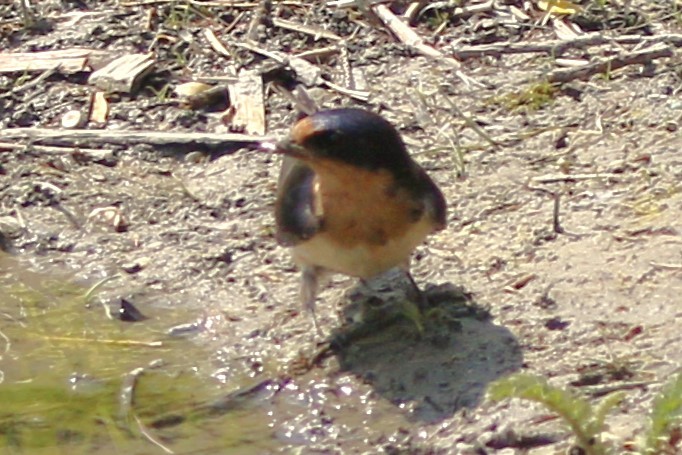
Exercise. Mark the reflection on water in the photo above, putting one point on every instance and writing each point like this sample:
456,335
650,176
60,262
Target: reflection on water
74,381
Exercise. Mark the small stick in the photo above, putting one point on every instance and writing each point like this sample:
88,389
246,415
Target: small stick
605,65
96,154
8,345
556,178
361,95
318,54
317,32
412,11
129,137
666,266
126,396
308,73
558,47
149,344
471,123
44,75
127,401
411,38
556,224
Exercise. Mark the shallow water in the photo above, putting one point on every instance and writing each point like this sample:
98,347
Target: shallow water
73,380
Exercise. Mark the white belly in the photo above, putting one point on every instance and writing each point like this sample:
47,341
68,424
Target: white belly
361,260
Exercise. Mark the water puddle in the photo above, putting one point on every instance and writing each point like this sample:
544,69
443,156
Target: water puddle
74,381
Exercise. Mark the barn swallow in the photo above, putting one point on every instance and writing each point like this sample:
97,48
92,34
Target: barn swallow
350,198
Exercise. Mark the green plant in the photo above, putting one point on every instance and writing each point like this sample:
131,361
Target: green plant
587,420
666,419
531,99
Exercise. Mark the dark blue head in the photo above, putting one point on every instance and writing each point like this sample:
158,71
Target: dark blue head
351,136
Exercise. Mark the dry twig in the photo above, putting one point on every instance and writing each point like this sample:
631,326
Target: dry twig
128,137
308,73
94,154
556,178
32,83
411,38
558,47
316,32
606,65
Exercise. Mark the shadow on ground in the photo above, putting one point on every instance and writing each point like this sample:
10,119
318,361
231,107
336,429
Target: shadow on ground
446,368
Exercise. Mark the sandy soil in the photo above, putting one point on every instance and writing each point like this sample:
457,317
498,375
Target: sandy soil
601,295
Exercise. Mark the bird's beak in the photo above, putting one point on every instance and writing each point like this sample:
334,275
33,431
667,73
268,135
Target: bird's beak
284,147
268,146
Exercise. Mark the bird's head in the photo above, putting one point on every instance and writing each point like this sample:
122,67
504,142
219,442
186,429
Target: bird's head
352,137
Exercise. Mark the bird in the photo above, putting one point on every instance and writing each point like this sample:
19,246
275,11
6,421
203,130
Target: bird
350,199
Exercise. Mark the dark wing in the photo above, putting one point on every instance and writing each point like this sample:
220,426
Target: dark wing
294,209
428,192
436,204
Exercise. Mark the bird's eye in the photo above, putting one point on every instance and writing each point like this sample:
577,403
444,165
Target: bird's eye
322,139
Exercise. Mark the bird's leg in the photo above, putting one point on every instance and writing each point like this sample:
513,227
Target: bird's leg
310,278
416,302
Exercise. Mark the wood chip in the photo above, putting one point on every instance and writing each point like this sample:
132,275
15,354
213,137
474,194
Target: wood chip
246,96
67,61
213,97
124,74
100,108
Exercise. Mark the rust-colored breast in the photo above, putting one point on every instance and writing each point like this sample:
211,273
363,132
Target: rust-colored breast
368,224
363,206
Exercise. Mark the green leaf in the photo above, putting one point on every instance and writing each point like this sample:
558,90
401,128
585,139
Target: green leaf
665,415
577,412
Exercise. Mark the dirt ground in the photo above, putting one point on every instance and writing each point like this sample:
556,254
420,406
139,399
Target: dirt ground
562,256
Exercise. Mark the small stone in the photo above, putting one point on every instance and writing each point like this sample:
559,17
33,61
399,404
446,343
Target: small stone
135,266
196,157
128,312
72,119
